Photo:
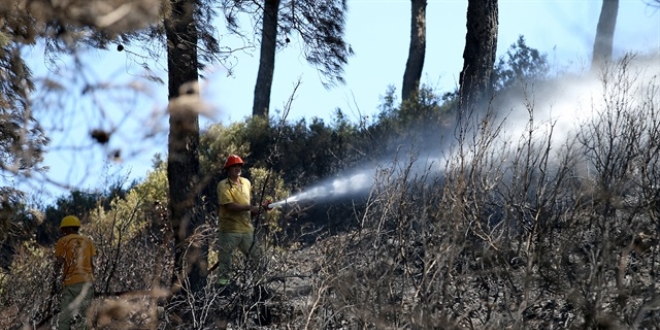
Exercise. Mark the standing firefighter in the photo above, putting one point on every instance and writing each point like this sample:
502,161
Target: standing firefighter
235,226
74,260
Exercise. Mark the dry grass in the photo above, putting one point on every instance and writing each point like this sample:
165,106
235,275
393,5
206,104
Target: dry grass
526,235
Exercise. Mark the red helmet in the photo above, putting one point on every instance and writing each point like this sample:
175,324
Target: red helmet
233,160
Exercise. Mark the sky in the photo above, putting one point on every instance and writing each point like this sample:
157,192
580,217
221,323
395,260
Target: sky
377,30
563,29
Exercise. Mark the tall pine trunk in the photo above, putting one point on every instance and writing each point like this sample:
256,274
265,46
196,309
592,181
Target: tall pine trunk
479,53
603,44
417,50
183,146
264,83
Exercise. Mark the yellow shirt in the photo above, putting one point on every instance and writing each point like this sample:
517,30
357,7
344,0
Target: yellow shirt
77,252
234,221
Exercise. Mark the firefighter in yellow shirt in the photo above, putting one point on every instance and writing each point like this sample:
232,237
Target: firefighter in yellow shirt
235,219
74,260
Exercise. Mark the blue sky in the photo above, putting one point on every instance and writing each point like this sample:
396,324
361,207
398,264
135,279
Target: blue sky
379,34
378,31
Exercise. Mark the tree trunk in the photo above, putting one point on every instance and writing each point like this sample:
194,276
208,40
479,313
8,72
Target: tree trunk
183,146
603,43
267,59
417,50
479,54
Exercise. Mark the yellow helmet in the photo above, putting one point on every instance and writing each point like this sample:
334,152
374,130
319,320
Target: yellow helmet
70,221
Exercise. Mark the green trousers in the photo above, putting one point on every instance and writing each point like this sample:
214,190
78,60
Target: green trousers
75,300
227,244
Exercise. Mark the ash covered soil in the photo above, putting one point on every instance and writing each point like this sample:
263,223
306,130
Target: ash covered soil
368,280
376,279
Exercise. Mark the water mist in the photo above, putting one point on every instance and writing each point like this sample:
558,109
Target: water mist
549,114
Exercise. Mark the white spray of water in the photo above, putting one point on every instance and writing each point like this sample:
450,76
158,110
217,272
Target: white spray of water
356,183
344,186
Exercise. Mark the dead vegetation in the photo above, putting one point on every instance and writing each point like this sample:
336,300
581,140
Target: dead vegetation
516,232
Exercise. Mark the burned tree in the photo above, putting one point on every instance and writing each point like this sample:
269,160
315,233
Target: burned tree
267,59
183,146
320,26
604,40
416,51
479,53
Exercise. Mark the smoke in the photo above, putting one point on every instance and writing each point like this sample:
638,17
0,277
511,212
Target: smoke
550,114
558,113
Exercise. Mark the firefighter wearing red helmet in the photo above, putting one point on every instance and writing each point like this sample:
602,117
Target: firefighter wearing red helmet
233,160
235,230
